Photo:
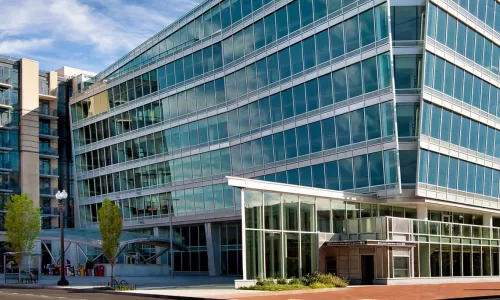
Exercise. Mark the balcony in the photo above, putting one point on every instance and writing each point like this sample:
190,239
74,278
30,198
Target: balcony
413,230
45,113
48,192
7,187
48,152
49,172
5,83
6,103
45,94
50,212
5,145
6,166
49,133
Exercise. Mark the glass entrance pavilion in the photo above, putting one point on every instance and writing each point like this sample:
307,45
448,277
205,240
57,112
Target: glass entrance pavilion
290,231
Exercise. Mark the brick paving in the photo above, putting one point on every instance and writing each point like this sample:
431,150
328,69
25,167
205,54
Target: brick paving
402,292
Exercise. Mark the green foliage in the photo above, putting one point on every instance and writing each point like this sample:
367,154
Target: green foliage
294,281
281,280
22,223
110,225
310,281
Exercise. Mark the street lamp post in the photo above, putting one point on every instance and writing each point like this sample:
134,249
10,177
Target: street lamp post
61,197
171,238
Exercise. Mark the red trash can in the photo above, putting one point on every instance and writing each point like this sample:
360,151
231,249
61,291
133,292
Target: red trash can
101,270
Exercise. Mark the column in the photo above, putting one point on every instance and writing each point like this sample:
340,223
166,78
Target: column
156,232
422,211
213,248
488,219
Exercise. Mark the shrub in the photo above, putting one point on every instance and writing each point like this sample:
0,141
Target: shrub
294,281
281,280
319,285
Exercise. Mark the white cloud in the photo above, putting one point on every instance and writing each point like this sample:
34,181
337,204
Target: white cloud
104,29
18,46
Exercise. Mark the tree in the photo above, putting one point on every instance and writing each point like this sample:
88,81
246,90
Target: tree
22,223
110,225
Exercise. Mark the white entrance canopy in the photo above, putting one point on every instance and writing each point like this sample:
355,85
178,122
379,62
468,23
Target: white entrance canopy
259,185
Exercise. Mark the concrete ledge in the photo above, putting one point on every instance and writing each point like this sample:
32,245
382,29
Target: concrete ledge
244,283
435,280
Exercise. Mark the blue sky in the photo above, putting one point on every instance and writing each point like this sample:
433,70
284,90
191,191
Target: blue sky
84,34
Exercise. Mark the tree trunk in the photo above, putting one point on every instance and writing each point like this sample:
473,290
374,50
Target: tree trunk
112,275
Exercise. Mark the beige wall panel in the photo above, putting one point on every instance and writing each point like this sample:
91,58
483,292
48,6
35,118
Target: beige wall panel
28,135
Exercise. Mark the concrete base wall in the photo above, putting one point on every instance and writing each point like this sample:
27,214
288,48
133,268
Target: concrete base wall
244,283
435,280
138,270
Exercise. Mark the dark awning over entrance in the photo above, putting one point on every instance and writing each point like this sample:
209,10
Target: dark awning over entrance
372,243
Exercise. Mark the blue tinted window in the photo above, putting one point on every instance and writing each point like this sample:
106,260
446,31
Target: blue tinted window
287,103
267,149
424,154
370,75
284,63
464,133
270,25
306,12
358,126
436,122
433,168
351,34
455,131
293,16
462,175
332,175
367,27
471,176
318,176
305,176
299,99
451,32
479,179
376,166
360,171
296,57
354,80
446,125
315,136
281,22
290,143
303,140
322,47
339,85
473,137
453,173
443,171
310,54
372,122
312,95
337,40
279,146
343,132
431,20
346,174
325,90
441,24
328,132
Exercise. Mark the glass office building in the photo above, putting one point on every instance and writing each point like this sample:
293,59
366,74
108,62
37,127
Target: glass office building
364,97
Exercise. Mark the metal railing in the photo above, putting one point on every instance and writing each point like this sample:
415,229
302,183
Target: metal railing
48,151
6,165
48,191
49,171
43,110
5,101
48,131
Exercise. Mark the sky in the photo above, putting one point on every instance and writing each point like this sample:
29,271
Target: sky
83,34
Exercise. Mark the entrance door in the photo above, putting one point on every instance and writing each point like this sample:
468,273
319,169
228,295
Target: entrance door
367,269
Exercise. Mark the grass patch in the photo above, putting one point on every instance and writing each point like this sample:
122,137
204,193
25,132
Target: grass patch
310,281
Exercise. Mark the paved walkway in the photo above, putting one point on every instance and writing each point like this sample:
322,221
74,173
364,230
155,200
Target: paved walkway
407,292
223,288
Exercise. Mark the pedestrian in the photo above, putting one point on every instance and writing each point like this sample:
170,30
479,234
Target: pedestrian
89,267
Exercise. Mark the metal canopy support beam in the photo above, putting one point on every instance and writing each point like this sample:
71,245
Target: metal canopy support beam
158,254
140,254
83,252
48,250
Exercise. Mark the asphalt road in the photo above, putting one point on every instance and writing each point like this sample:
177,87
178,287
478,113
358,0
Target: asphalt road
46,294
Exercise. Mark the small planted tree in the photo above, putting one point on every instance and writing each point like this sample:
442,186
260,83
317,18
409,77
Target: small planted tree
22,223
110,225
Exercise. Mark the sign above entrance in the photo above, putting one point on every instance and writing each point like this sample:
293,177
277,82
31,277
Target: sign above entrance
369,243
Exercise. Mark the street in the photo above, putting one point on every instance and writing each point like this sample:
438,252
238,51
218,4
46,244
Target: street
35,294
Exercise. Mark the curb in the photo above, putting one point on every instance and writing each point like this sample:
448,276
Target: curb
99,291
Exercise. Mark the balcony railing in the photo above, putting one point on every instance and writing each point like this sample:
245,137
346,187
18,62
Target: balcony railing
49,171
48,131
6,186
43,110
413,230
6,165
48,151
50,211
5,101
48,191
